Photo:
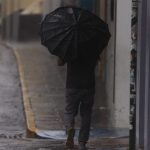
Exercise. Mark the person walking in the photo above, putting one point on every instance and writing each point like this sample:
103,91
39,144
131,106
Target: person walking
77,37
80,91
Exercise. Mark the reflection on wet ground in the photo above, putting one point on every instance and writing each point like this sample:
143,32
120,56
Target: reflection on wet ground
111,149
95,133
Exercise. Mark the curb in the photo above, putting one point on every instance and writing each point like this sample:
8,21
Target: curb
29,116
30,121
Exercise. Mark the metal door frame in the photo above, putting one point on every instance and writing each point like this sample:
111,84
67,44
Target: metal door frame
143,80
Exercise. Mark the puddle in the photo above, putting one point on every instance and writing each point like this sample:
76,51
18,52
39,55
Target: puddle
96,133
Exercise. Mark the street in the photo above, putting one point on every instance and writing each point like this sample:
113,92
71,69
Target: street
13,119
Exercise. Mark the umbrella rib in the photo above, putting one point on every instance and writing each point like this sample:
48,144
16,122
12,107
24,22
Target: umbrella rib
54,28
60,42
57,34
71,39
96,28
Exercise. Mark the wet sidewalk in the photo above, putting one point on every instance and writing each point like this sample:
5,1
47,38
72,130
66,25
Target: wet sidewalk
43,86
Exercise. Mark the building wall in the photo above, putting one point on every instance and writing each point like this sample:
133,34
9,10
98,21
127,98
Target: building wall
133,75
122,79
117,63
50,5
26,3
110,63
14,5
12,16
143,77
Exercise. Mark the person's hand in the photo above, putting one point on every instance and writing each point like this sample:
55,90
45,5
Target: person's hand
60,62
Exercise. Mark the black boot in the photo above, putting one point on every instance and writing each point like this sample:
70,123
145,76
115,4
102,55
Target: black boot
82,146
70,138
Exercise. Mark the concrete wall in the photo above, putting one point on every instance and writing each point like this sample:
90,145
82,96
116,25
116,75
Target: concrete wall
15,5
110,64
123,46
26,3
12,20
117,67
29,27
50,5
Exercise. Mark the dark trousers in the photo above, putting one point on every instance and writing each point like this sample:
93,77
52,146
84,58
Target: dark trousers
79,99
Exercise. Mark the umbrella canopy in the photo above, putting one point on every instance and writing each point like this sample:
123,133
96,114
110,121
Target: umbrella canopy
71,32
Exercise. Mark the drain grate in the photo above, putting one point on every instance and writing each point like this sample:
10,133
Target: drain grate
12,136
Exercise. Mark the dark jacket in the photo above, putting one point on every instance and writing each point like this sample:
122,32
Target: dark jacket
81,74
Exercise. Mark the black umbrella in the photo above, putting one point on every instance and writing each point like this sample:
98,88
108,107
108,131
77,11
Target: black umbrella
71,32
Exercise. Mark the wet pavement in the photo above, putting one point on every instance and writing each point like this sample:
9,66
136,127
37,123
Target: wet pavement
44,86
94,134
12,120
31,144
